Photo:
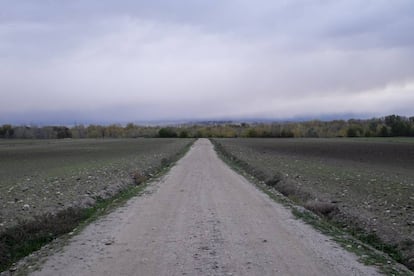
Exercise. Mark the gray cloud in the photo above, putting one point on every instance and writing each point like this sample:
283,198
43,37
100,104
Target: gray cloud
85,60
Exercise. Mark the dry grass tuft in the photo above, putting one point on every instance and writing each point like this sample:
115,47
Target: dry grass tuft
320,207
138,178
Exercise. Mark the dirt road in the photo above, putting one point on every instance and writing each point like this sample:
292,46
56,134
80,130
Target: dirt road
202,219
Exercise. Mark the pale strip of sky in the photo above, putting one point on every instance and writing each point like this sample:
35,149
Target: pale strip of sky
119,61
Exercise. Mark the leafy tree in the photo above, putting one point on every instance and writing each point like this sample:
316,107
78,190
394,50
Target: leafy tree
354,131
167,133
62,132
251,132
6,131
312,133
384,132
392,125
95,131
79,131
286,134
400,126
183,134
114,131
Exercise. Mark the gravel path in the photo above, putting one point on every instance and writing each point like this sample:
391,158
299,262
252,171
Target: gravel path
202,218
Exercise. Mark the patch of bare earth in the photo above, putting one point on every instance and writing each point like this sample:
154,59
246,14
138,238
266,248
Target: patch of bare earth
46,184
367,186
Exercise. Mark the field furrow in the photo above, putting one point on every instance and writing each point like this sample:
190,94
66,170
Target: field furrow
366,186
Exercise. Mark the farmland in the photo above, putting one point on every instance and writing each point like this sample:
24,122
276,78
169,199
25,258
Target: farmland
46,176
364,185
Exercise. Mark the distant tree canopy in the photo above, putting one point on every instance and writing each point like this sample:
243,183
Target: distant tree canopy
167,133
399,126
389,126
6,131
62,132
183,134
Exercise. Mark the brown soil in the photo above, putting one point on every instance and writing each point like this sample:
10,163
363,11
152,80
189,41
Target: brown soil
46,185
367,186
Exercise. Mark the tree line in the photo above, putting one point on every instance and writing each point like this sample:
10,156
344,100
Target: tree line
389,126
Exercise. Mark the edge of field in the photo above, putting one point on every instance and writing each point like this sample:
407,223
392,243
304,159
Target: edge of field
75,220
366,254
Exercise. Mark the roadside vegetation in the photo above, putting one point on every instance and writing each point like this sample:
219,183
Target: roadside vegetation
389,126
364,187
48,187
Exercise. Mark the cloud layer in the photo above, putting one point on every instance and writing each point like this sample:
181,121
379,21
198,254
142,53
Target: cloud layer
100,61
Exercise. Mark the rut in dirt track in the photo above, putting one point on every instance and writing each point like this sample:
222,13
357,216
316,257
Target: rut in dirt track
202,218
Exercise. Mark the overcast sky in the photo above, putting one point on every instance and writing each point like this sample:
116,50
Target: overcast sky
119,61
